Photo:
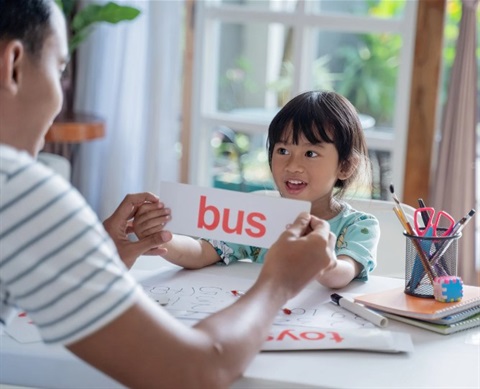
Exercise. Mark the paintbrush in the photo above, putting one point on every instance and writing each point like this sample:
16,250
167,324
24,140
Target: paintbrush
416,244
410,230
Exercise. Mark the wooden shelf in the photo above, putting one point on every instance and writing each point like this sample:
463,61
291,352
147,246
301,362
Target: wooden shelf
75,128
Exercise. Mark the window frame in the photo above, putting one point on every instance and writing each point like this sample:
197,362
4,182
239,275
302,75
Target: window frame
203,113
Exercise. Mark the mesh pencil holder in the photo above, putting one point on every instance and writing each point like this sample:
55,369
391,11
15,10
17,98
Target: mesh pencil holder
440,253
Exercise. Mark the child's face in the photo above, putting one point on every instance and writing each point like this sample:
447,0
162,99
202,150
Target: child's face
305,171
40,93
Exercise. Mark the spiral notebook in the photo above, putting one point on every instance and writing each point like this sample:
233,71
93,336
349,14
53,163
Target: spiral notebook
456,317
397,302
445,329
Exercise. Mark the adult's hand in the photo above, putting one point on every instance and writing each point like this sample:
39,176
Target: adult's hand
119,226
302,251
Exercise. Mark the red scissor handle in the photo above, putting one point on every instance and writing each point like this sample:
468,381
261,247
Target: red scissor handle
435,221
449,226
421,231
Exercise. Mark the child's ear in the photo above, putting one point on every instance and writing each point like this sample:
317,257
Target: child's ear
11,57
347,168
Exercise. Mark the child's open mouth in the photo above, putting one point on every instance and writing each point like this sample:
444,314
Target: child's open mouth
295,185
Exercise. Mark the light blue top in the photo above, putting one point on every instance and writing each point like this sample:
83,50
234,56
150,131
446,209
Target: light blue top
357,237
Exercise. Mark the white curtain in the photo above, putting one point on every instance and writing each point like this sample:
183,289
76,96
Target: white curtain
130,75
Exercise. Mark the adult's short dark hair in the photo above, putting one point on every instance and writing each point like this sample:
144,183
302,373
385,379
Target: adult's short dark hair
27,21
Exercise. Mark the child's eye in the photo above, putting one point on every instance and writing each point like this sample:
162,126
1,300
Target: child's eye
282,151
311,154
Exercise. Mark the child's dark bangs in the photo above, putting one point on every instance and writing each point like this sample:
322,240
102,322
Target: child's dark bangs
311,129
279,130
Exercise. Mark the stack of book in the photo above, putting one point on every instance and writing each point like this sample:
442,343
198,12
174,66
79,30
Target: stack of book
444,318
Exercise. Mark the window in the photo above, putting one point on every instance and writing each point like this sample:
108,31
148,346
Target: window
252,56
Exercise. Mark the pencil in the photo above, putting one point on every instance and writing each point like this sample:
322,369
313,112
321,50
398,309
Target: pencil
421,253
425,216
457,229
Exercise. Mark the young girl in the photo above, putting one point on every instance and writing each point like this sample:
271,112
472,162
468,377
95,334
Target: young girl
316,151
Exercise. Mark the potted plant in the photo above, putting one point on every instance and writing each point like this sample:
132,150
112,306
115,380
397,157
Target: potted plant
80,23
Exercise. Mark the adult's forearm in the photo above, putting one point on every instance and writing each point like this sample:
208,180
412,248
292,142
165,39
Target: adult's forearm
242,328
146,347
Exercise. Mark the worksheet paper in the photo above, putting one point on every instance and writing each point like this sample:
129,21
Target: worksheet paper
312,323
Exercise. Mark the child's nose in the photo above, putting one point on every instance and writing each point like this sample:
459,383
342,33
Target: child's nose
294,164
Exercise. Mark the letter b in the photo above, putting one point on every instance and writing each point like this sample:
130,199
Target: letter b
203,209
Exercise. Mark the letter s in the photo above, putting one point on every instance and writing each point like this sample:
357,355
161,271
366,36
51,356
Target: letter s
251,220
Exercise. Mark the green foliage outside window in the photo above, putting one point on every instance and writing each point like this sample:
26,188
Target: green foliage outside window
81,21
370,67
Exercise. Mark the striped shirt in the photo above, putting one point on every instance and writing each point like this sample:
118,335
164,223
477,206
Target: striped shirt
57,263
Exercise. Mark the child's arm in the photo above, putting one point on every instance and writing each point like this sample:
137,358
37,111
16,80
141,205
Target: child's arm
354,251
189,252
181,250
342,274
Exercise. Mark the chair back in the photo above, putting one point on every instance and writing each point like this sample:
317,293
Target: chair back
391,247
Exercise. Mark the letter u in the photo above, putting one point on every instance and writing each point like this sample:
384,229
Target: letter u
238,227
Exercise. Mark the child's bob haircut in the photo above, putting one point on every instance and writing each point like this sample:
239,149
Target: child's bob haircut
324,116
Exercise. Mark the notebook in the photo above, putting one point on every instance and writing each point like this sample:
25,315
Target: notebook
445,329
456,317
397,302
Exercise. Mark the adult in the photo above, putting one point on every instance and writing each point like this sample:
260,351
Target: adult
59,264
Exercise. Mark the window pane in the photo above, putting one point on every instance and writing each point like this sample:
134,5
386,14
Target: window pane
381,174
384,9
377,8
362,67
240,160
250,58
271,5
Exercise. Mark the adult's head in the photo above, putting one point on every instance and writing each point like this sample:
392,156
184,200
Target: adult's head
329,118
33,55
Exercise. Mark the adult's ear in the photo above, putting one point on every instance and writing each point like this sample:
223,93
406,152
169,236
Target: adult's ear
11,56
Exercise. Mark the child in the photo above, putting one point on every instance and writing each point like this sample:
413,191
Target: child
58,263
316,151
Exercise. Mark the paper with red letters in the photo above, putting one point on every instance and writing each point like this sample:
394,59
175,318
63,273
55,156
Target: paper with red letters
235,217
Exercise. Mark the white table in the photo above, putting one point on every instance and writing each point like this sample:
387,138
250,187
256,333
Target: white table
438,361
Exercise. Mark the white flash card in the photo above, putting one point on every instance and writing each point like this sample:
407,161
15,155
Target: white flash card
235,217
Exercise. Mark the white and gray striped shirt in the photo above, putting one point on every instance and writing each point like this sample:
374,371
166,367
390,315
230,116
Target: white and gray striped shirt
57,262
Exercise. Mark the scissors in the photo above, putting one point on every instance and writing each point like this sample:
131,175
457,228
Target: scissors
438,222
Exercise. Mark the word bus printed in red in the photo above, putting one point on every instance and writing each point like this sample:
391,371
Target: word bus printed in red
254,227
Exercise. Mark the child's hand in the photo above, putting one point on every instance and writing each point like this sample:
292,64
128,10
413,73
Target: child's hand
119,226
150,219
